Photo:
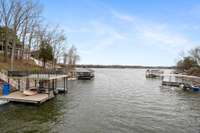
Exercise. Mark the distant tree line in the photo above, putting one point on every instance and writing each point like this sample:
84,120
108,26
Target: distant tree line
190,64
125,66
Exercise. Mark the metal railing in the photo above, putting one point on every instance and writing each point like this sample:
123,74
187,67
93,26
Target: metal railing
28,73
12,82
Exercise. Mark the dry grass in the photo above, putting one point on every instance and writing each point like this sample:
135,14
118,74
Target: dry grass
19,64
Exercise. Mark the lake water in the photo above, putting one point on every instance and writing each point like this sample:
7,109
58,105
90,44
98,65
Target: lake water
116,101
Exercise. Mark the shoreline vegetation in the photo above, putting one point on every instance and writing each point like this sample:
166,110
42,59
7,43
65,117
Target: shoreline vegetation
190,64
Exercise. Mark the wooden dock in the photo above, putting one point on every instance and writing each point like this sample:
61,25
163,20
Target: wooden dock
20,97
177,79
153,73
171,83
84,74
43,87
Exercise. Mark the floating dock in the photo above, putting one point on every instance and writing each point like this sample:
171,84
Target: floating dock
84,74
18,96
176,80
153,73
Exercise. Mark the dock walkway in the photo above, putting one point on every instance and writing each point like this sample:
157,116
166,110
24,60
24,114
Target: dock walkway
178,79
20,97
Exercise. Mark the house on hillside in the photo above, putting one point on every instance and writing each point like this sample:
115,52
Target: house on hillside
18,47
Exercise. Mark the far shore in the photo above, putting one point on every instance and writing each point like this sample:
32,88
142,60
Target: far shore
125,66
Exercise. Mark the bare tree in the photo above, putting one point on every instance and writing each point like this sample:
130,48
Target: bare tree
23,19
56,38
40,35
29,27
195,54
21,12
65,56
73,57
6,7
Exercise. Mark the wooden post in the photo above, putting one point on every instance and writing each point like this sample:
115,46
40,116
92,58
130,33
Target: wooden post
18,84
55,83
53,86
27,83
35,83
49,86
64,84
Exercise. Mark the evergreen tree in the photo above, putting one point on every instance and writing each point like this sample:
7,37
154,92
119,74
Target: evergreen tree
45,52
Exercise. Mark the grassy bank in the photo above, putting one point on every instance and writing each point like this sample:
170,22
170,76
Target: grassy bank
18,64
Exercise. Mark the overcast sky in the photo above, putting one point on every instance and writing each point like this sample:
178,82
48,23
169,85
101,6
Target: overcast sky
127,32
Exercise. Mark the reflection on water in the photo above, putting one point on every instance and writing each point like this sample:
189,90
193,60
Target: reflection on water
118,101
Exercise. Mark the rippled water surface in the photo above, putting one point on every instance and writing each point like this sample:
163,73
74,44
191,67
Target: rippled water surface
117,101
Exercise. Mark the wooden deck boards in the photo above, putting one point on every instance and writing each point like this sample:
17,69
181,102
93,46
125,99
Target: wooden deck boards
19,97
